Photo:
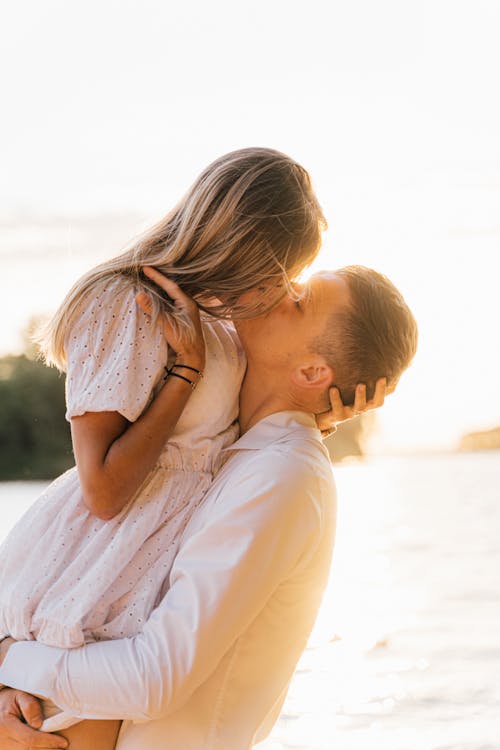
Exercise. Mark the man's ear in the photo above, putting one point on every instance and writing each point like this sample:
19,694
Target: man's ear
314,375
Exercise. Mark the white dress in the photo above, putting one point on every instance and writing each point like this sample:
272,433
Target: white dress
67,577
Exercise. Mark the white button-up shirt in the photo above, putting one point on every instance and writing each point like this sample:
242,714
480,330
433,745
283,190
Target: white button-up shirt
211,668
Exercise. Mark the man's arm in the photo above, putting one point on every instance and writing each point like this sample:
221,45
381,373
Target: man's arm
259,531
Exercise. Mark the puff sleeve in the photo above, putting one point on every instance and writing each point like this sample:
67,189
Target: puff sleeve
115,355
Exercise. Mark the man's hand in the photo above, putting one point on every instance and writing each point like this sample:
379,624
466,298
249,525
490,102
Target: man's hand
327,420
20,714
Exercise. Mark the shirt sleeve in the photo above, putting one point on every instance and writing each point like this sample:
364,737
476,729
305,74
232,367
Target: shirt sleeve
115,355
254,538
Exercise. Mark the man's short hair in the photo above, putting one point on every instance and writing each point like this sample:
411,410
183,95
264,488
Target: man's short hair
374,337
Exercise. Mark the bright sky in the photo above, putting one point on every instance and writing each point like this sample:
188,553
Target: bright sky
110,108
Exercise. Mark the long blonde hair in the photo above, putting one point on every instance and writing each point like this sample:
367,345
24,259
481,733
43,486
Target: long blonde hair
251,218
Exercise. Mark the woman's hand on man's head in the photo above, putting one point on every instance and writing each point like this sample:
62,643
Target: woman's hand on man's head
328,420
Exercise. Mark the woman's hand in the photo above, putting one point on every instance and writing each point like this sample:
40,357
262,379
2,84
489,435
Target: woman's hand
20,715
327,420
189,349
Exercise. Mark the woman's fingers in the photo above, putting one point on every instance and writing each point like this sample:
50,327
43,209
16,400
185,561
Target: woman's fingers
380,393
170,287
337,413
359,405
327,420
156,276
187,342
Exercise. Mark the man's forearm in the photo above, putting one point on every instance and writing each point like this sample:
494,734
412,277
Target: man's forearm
45,671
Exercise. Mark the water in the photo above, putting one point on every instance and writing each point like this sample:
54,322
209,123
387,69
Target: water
406,651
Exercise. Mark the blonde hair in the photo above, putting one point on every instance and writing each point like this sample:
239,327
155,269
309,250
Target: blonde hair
250,218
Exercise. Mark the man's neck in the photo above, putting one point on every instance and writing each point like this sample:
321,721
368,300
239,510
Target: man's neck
263,393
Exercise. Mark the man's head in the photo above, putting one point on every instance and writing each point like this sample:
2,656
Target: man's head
344,327
374,336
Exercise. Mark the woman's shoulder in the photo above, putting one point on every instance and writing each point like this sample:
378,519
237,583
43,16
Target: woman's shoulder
115,353
104,310
114,294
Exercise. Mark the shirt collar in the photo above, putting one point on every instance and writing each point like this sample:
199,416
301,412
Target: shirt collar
276,427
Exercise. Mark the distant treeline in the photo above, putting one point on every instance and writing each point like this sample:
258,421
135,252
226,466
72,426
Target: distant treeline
35,440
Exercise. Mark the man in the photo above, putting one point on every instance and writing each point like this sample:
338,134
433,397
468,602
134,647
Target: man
212,665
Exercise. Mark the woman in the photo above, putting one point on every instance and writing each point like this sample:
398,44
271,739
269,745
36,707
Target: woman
101,540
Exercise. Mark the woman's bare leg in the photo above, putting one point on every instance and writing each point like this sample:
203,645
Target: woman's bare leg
92,735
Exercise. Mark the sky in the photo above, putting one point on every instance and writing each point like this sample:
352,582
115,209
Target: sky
110,109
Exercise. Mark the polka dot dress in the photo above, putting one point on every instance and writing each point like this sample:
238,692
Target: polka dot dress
67,577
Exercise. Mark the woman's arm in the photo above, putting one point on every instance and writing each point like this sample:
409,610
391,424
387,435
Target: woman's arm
112,455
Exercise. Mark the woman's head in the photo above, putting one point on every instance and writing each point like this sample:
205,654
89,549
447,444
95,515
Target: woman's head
251,219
